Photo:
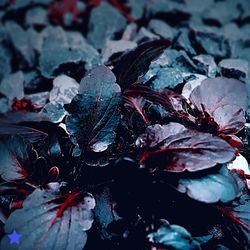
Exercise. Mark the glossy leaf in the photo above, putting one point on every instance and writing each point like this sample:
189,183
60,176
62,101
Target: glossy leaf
51,220
172,237
134,64
175,148
15,155
94,112
220,186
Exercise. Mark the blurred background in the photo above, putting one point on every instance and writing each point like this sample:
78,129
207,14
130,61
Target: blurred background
42,39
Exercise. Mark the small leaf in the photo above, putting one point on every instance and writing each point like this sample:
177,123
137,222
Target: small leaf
53,174
175,148
175,104
94,112
138,103
51,220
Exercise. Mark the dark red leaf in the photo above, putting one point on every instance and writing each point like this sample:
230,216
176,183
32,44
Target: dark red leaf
175,148
53,174
51,220
232,140
138,103
175,104
239,214
134,64
15,155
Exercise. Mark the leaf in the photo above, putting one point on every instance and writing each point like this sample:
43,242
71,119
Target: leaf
18,117
222,99
137,103
230,119
239,215
51,220
28,133
104,211
175,104
15,155
175,148
94,112
213,187
134,64
172,237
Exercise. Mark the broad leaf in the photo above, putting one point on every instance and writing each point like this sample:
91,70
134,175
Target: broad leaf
132,65
15,157
172,237
27,133
214,187
175,148
223,101
230,119
238,213
51,220
94,112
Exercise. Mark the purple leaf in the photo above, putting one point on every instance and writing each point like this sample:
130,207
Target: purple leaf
134,64
238,213
230,119
175,148
137,103
50,219
15,155
175,104
224,101
27,133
